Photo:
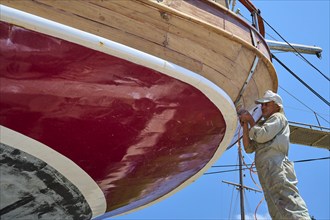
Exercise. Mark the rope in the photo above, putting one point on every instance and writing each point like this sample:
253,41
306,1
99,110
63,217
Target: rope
255,212
251,172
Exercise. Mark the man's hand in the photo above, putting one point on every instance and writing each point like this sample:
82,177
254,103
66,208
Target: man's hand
245,117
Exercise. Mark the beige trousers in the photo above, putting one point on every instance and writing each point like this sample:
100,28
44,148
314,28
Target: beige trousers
278,180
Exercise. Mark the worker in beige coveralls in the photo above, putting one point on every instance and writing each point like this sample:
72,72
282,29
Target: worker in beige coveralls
269,139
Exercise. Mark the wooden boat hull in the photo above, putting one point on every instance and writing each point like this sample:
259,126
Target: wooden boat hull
201,36
135,132
134,126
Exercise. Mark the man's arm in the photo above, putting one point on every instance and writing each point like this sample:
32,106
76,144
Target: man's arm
270,128
246,120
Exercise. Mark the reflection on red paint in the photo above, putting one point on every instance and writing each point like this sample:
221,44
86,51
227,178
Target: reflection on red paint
138,133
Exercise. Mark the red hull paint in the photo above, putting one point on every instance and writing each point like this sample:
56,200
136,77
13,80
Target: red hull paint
137,132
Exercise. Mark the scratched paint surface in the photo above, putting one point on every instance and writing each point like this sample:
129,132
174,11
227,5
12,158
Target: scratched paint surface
137,132
31,189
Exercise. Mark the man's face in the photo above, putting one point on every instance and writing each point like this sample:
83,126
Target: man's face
268,109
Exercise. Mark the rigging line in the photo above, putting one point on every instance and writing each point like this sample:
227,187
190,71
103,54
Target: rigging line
247,202
251,23
255,212
225,171
253,166
304,104
296,161
250,167
309,160
271,37
304,110
231,202
252,178
235,205
295,49
227,165
300,80
259,14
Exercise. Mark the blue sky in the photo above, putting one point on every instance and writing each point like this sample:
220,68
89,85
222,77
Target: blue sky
302,22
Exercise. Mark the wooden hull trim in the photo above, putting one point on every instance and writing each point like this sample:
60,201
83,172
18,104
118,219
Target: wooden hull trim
213,28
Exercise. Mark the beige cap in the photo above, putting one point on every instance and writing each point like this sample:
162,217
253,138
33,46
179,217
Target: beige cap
270,96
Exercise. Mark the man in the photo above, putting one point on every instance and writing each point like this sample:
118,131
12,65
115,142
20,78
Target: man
269,139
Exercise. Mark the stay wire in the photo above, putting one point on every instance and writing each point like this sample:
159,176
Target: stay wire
301,56
251,174
304,104
231,202
297,161
300,80
294,48
309,160
225,171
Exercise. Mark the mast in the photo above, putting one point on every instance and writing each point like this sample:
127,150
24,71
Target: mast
241,188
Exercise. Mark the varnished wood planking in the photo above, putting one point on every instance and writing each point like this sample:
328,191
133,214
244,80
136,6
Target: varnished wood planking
219,78
238,29
136,10
251,91
199,10
263,79
108,32
205,37
217,16
242,29
111,18
164,32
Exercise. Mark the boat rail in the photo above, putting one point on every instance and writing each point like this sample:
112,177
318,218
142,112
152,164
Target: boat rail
257,21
